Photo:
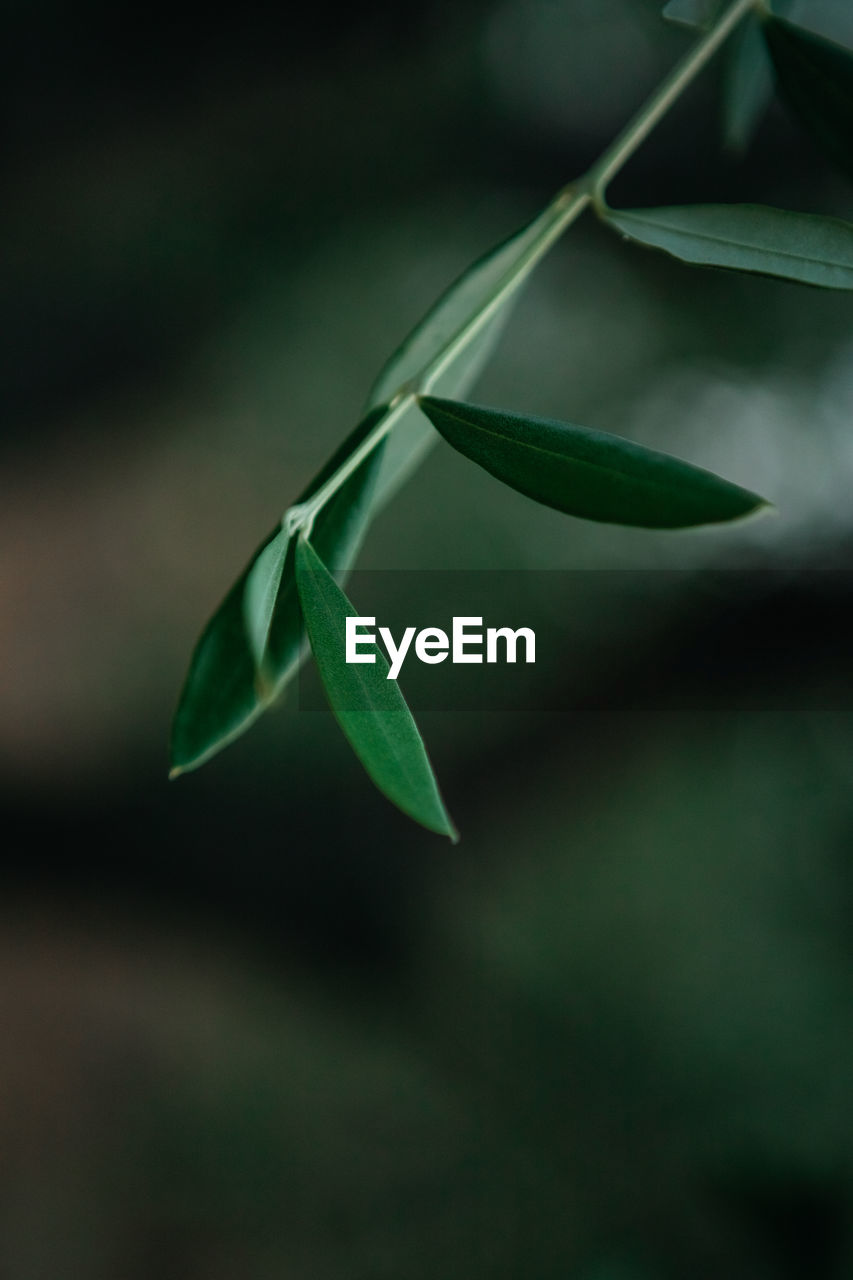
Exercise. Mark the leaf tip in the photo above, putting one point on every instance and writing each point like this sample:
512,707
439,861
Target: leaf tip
759,506
175,772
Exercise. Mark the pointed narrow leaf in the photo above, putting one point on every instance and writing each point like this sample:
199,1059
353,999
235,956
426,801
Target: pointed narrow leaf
474,289
815,79
588,473
219,699
260,592
250,647
805,247
368,706
405,449
747,85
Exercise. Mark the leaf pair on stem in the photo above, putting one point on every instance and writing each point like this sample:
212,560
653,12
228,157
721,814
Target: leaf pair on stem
814,78
813,75
253,644
573,469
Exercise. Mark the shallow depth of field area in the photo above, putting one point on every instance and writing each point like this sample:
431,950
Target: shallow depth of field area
257,1024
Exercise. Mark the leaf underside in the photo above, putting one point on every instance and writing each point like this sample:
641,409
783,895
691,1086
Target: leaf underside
472,290
369,707
815,79
251,646
429,339
588,473
747,85
804,247
254,641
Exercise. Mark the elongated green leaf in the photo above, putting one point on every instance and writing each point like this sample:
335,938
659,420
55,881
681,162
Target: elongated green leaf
219,699
339,529
260,592
815,79
368,706
747,85
805,247
252,644
473,290
588,473
405,449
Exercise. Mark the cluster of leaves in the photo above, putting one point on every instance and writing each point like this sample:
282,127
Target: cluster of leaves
255,641
813,76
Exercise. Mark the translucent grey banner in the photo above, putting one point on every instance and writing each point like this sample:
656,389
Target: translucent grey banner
610,640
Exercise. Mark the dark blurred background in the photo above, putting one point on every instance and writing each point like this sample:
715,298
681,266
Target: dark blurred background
255,1023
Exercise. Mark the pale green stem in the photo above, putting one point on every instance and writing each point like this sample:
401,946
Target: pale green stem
652,112
662,99
566,206
563,210
302,515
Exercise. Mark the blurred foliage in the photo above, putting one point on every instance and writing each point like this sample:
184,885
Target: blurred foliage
255,1025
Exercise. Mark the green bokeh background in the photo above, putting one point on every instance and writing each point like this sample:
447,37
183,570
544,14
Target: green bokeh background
256,1024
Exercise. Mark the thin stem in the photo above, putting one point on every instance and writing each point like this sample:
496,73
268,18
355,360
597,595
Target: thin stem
650,114
566,206
302,516
563,210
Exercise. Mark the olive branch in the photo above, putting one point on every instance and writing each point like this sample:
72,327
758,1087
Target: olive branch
291,589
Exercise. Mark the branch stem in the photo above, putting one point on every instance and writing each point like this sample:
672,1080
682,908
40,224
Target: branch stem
563,210
566,206
668,92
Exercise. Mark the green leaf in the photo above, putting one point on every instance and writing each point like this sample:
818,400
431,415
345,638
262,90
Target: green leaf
588,473
368,706
252,644
406,447
219,699
815,79
747,85
691,13
260,593
474,290
805,247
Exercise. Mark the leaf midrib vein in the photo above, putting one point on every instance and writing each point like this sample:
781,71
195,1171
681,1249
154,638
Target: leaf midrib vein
738,244
364,685
596,466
